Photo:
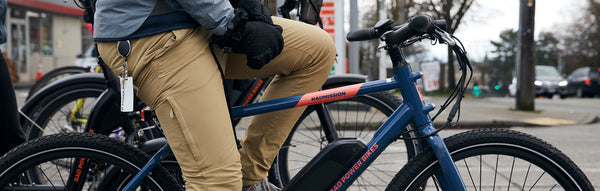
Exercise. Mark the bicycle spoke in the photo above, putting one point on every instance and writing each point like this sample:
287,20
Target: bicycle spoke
302,154
527,174
60,174
314,137
47,178
315,125
471,176
495,173
378,176
436,182
538,179
480,169
511,172
356,117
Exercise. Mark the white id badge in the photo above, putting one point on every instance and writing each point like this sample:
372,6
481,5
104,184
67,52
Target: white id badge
126,94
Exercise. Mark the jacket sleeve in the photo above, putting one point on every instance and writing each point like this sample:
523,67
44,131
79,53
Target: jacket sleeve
213,15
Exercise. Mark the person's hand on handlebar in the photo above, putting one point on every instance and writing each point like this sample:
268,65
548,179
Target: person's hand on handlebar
256,10
254,35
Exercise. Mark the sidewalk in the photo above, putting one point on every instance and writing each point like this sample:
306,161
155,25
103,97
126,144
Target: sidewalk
500,112
23,85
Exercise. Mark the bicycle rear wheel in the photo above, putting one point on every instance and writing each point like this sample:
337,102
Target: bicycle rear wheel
40,165
496,159
54,75
62,111
354,117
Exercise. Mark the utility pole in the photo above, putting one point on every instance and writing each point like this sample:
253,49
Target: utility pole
382,55
526,57
353,47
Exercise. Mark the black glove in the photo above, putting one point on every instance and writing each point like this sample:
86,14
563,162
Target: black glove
256,10
259,41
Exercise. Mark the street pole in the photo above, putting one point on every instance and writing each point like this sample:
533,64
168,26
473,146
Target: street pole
526,57
353,47
340,37
382,56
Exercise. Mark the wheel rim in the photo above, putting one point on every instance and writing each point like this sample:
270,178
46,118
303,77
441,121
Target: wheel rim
309,139
46,171
66,113
502,169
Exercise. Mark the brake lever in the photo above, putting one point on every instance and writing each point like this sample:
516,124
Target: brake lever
445,37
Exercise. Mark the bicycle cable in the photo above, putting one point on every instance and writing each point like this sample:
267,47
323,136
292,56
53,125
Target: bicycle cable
456,95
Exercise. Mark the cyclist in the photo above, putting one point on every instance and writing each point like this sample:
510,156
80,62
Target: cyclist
11,133
171,63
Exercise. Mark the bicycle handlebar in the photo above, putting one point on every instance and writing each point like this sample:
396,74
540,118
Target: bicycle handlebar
287,6
415,26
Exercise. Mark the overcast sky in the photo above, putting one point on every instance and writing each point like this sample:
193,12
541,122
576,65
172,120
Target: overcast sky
485,20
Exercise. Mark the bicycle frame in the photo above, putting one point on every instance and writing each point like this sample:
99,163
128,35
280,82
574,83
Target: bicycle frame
412,110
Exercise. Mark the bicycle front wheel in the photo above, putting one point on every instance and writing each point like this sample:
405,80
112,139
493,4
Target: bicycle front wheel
78,161
496,159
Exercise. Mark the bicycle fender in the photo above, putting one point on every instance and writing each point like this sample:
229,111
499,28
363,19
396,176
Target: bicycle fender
86,78
343,80
152,146
106,114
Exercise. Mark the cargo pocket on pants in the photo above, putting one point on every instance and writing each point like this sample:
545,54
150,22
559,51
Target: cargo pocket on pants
176,114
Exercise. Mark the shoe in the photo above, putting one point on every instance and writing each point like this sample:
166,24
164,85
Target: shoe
264,185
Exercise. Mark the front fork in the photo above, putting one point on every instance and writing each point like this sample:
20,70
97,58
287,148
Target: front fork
449,178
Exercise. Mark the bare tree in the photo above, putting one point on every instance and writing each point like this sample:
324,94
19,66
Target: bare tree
400,10
397,10
581,41
453,12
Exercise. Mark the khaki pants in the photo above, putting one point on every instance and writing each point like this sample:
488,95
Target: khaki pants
178,77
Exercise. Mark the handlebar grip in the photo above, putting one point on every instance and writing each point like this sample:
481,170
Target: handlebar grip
422,23
441,24
362,34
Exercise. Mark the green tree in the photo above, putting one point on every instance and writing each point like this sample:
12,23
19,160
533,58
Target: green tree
397,10
547,49
501,65
502,61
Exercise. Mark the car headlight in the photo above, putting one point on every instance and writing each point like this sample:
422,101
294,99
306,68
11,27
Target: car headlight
563,83
538,83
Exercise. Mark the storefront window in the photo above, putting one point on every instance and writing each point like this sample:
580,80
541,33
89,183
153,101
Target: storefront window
46,33
40,33
34,32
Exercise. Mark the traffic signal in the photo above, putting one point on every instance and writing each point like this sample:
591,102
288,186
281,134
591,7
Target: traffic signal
476,90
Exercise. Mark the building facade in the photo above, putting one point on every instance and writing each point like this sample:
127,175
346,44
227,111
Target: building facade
43,35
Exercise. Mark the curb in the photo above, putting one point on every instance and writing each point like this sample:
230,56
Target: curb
508,124
482,124
23,85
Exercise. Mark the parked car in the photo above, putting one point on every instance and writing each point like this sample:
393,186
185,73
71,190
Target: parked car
584,82
89,58
512,87
548,82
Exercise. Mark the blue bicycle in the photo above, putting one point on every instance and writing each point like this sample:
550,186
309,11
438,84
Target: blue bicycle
485,159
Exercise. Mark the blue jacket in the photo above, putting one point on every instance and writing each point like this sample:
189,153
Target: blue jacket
127,19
